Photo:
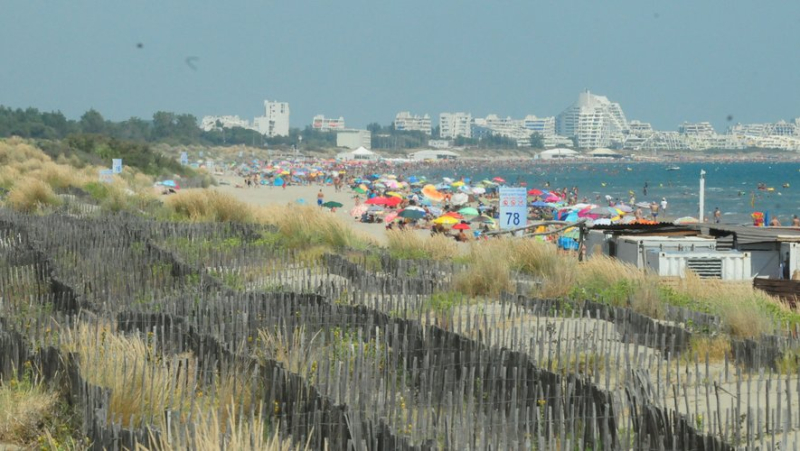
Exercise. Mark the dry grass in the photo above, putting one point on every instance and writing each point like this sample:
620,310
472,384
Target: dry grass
715,348
143,382
31,194
206,205
24,406
293,349
18,151
408,244
210,434
488,273
746,311
304,226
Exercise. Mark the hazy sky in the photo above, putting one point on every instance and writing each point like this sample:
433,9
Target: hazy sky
664,61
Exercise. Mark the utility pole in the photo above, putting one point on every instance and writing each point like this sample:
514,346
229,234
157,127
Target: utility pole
702,194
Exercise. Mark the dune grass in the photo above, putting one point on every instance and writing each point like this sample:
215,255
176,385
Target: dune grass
30,195
409,245
207,205
145,383
306,226
25,405
210,433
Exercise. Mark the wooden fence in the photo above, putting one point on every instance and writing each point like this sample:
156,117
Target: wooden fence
357,351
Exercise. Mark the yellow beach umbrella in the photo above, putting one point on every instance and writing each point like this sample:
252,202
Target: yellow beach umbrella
285,172
457,184
445,220
394,194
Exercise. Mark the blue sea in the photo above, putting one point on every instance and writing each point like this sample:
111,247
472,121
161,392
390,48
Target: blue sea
733,187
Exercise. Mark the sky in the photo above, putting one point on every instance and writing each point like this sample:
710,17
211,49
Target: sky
665,62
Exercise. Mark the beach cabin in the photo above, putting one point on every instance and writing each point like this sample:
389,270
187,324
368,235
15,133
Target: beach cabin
775,251
669,251
604,153
360,154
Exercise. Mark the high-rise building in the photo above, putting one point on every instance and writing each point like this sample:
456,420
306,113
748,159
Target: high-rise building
453,125
275,121
324,124
593,121
405,121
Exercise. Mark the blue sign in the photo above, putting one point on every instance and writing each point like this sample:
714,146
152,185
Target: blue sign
513,207
116,165
184,158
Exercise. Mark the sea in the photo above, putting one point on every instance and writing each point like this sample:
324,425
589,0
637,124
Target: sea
733,187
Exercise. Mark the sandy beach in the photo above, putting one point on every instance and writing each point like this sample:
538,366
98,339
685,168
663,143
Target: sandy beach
266,195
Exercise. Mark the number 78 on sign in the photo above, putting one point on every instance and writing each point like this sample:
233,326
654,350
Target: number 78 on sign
513,207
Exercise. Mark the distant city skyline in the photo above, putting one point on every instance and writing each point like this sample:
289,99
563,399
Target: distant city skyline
665,63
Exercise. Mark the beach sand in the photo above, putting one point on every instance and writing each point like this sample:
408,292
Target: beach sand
266,195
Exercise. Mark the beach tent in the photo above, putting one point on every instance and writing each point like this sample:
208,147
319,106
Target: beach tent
604,153
558,153
360,154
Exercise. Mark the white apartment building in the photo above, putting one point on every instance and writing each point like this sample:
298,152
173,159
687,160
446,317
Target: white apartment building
453,125
697,129
275,121
209,123
593,120
405,121
324,124
545,126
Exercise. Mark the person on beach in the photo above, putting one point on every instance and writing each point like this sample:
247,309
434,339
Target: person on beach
663,204
654,210
717,215
795,221
320,198
775,222
644,190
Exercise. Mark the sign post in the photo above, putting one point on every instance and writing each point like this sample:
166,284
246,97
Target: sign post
116,165
106,176
513,207
184,158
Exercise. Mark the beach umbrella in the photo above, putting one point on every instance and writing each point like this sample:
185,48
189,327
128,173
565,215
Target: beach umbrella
358,210
459,199
686,220
453,214
499,180
642,204
377,200
624,208
375,209
435,211
535,192
469,211
394,194
445,220
390,217
461,226
413,179
393,201
539,204
278,181
457,184
332,204
447,180
484,219
412,214
360,191
479,190
430,192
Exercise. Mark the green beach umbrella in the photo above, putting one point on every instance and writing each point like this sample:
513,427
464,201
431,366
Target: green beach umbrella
469,211
332,204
